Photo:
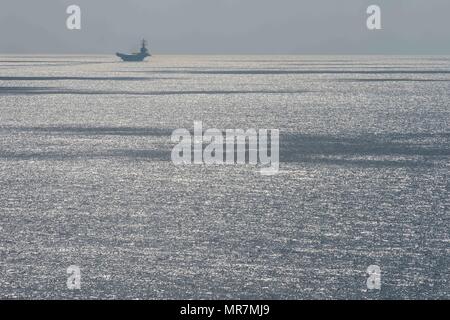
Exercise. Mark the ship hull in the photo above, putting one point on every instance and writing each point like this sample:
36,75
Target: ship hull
132,57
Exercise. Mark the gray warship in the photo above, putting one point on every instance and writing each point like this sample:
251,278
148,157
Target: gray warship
139,56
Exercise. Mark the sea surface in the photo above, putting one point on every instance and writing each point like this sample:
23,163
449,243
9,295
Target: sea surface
86,178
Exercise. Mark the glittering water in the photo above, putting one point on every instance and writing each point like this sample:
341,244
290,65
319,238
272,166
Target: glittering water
86,177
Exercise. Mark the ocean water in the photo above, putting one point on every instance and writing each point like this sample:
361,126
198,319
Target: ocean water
86,178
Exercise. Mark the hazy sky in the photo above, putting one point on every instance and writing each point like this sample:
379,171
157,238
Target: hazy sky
226,26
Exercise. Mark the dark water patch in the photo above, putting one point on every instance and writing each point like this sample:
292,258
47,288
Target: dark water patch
307,61
59,78
49,64
299,72
62,91
133,154
351,67
363,162
35,61
393,80
24,90
391,150
90,131
303,147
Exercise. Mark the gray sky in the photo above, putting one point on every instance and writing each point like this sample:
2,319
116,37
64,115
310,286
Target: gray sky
226,26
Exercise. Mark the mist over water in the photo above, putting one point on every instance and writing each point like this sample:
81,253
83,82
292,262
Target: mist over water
86,177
